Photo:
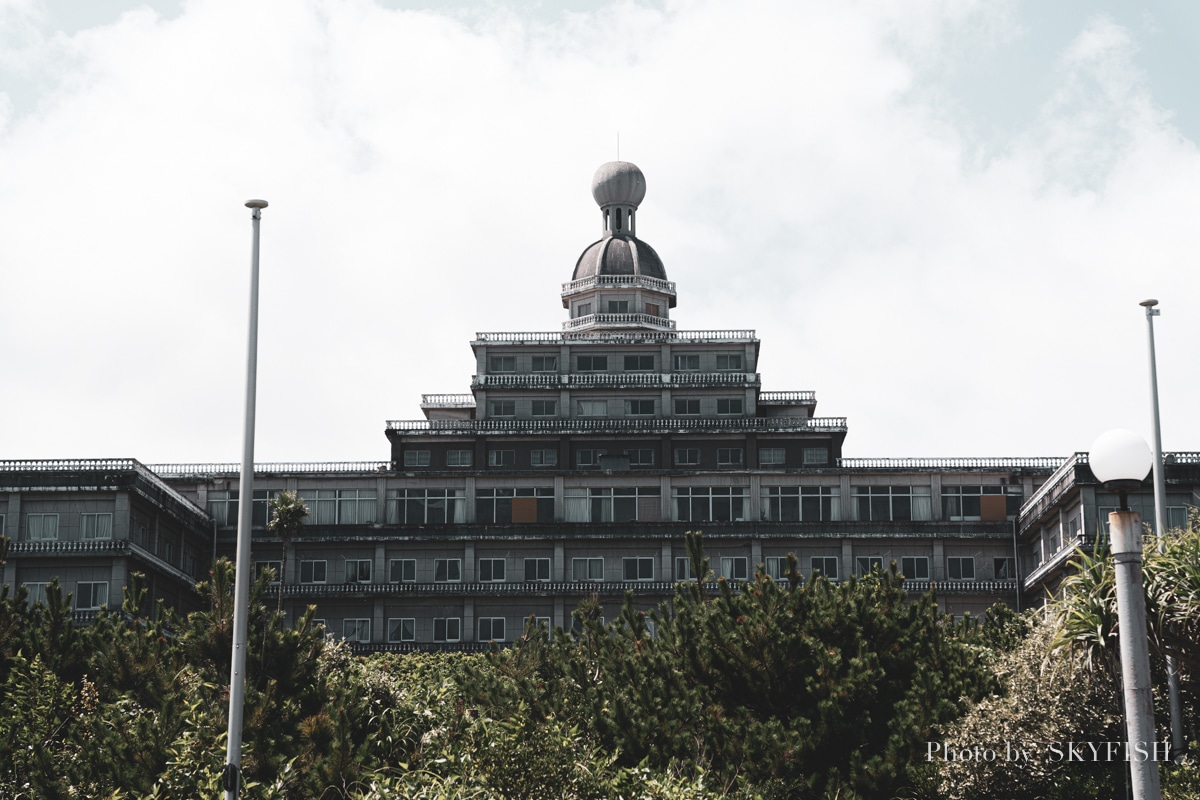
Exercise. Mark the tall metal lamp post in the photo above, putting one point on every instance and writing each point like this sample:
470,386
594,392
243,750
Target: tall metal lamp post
231,777
1121,460
1160,527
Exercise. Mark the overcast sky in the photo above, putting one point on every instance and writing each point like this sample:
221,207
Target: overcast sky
940,216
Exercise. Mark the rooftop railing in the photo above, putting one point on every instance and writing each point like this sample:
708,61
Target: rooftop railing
97,465
447,401
783,398
616,337
618,281
621,425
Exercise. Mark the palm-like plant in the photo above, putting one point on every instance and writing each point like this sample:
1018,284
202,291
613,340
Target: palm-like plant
287,515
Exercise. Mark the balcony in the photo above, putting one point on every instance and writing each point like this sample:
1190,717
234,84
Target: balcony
590,321
620,426
447,401
805,398
612,337
577,380
206,471
618,282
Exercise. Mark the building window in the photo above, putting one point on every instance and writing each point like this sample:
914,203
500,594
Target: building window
729,362
91,595
506,506
960,568
447,570
592,408
685,407
357,630
800,504
545,408
641,457
587,569
729,405
491,629
545,363
638,569
276,567
36,593
41,527
915,567
95,526
425,506
771,457
710,503
313,571
543,458
735,568
687,457
502,458
683,569
402,629
502,364
402,570
358,570
885,503
960,503
729,456
537,569
825,565
504,408
340,506
653,309
622,504
1177,518
447,629
776,567
491,570
815,456
639,363
1005,569
865,564
416,458
460,458
639,408
618,306
687,363
592,363
222,507
588,457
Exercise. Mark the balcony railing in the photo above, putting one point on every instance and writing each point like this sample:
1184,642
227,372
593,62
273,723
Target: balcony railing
617,337
621,425
618,281
619,321
274,467
786,398
656,379
901,464
107,466
447,401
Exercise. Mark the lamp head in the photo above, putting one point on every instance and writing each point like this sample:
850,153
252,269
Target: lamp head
1120,459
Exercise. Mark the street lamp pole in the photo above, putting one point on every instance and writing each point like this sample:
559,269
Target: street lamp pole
1120,460
231,776
1160,528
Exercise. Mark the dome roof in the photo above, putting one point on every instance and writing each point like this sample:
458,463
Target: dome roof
619,255
618,183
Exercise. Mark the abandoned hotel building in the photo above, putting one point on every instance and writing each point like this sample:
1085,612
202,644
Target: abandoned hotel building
573,469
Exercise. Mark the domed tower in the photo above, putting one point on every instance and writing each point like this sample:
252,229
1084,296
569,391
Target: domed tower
619,281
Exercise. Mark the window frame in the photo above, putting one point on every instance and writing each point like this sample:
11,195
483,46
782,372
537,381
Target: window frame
591,363
491,623
918,564
643,569
959,562
491,562
96,517
732,362
733,406
361,625
408,629
43,519
637,407
417,458
502,458
355,574
537,562
640,363
443,566
460,458
449,625
311,565
96,603
591,565
686,404
738,565
404,565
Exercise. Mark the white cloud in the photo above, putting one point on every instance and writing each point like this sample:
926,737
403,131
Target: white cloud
428,178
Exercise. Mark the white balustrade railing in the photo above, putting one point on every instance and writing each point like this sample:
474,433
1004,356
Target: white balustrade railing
534,380
770,398
447,401
618,320
625,425
606,336
618,281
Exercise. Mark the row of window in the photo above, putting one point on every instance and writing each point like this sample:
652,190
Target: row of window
624,504
44,527
88,595
645,407
444,629
725,362
633,569
638,457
